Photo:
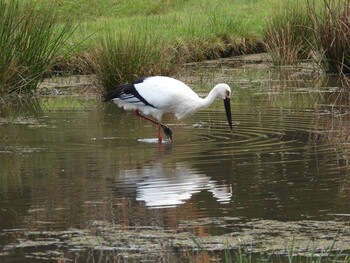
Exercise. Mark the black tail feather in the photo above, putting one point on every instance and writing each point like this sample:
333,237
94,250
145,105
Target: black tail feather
127,88
113,94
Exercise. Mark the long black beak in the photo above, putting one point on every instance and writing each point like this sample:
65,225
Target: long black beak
228,111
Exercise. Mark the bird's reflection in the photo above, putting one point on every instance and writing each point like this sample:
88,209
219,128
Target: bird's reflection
161,185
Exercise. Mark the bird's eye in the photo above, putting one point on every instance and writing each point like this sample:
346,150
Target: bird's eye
227,94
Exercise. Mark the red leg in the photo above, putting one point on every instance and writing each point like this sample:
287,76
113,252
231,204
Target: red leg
159,133
137,112
160,125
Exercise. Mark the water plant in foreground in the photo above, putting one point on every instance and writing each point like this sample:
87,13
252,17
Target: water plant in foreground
29,40
290,256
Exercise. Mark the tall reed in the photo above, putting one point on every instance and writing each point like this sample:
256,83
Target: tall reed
332,28
29,39
123,57
288,34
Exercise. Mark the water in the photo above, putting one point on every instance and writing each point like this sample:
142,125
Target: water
81,166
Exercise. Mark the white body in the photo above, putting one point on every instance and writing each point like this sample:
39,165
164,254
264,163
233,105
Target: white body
166,94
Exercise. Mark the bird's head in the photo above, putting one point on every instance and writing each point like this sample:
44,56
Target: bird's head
224,91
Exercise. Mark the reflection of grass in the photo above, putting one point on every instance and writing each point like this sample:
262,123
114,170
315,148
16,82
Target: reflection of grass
67,103
336,126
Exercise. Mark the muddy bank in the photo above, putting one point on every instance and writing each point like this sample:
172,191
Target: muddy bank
182,53
82,85
87,85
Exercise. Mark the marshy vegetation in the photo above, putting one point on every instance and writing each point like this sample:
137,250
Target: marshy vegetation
117,59
121,41
333,35
29,41
288,34
311,29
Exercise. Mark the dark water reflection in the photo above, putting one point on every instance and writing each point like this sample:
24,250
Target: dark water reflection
77,162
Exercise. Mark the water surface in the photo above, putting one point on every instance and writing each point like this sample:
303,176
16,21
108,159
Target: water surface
78,163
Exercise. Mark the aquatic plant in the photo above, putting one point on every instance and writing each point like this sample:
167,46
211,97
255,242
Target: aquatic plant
29,40
288,34
330,255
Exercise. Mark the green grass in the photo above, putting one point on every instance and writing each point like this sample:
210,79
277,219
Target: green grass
206,20
291,254
28,42
181,31
175,20
120,40
124,57
318,27
289,36
332,28
126,39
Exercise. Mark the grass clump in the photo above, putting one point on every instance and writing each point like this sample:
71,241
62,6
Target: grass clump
288,35
160,43
332,33
302,28
29,40
311,256
122,58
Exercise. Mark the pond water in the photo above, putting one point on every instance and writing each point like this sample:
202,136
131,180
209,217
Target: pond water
78,174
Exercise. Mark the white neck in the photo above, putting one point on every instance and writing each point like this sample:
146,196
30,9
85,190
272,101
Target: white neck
207,101
199,103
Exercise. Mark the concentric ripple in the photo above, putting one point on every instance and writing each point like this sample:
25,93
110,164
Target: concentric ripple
274,132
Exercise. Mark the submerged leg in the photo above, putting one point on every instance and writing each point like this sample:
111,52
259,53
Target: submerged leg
159,134
165,128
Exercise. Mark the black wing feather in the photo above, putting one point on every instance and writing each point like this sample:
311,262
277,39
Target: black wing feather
127,91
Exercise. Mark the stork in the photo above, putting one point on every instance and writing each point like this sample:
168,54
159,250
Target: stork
157,95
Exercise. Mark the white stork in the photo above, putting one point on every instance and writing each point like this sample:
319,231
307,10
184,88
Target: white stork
158,95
